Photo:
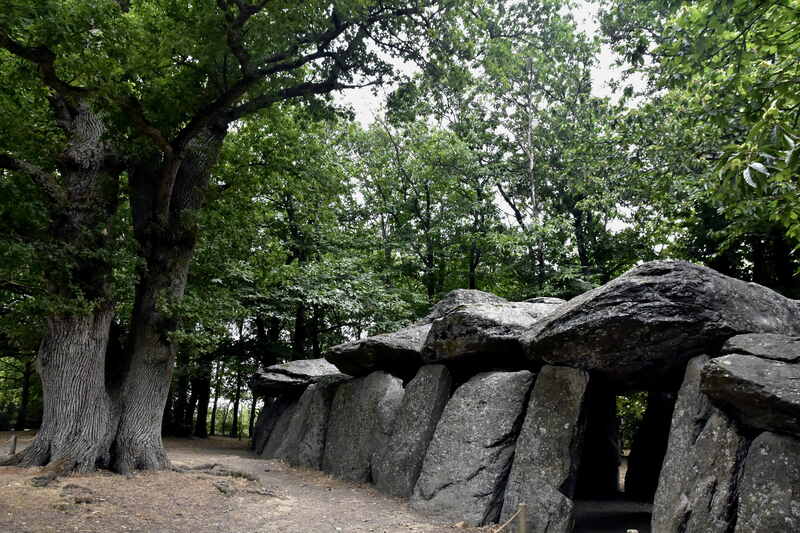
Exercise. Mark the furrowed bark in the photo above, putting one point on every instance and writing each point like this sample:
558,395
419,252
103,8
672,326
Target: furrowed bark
79,417
166,233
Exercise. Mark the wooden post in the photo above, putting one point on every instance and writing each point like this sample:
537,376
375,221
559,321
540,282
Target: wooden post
12,448
522,518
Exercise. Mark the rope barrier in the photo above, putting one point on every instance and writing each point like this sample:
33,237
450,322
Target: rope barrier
520,518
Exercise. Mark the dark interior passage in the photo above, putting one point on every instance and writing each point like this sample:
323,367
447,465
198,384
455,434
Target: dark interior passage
624,445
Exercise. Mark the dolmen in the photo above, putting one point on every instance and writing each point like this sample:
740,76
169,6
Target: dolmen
485,404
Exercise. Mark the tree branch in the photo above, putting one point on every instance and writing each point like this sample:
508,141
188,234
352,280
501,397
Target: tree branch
47,181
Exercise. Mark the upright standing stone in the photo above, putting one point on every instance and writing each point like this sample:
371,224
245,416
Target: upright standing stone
278,433
548,451
464,472
362,415
396,468
769,493
270,414
304,440
698,484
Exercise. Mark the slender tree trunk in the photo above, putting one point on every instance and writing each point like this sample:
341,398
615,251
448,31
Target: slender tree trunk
300,332
188,417
217,385
316,349
22,413
224,418
252,417
203,384
180,386
236,399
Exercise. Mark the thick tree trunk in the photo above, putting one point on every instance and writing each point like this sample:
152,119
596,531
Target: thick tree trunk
25,396
79,418
138,444
165,193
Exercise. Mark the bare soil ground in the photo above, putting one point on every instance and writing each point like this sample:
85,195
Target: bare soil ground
276,499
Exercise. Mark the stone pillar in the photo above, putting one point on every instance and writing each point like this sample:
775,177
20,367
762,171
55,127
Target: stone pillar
548,451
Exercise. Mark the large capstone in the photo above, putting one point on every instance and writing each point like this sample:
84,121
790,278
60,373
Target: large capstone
399,353
291,377
642,327
467,463
769,493
362,415
544,471
698,485
486,333
397,467
303,441
761,393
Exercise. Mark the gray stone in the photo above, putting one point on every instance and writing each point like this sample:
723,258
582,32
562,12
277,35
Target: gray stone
278,433
769,492
641,328
761,393
468,460
272,411
765,345
459,297
548,451
293,376
361,419
697,487
396,469
545,300
489,329
303,442
398,353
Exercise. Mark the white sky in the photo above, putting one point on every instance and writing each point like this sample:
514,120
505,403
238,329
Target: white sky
367,102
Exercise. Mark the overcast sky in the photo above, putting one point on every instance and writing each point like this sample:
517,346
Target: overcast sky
367,104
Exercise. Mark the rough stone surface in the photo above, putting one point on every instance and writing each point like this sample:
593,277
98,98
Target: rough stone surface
673,308
698,484
649,447
769,493
464,472
548,451
761,393
278,433
398,353
765,345
273,410
293,376
303,442
459,297
362,415
475,330
396,469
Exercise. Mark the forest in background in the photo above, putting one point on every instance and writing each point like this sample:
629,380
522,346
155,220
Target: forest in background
495,167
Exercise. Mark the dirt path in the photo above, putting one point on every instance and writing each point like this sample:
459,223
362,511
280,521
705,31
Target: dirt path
278,499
